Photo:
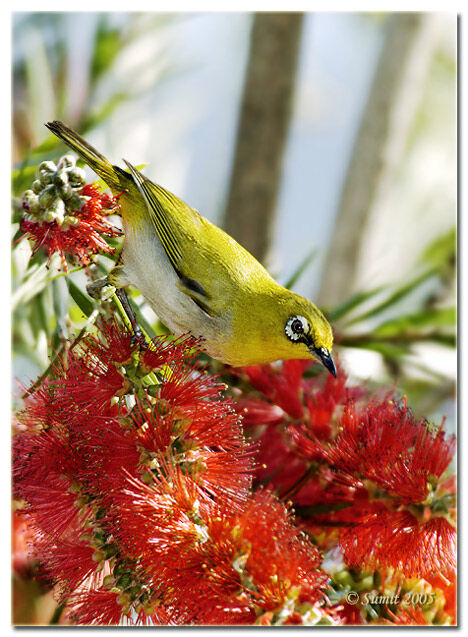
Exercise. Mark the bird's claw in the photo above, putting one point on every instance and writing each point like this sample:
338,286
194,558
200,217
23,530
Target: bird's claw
138,338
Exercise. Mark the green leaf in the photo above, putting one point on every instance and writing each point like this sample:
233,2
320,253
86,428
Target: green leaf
32,285
426,318
22,179
354,301
38,315
81,299
107,45
93,119
394,298
294,278
442,251
390,350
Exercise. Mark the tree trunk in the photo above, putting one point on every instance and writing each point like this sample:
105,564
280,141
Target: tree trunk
393,99
263,130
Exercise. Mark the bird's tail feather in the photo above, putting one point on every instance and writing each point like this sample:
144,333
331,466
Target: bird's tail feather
88,154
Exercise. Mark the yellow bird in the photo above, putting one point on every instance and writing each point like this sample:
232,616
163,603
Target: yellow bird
200,280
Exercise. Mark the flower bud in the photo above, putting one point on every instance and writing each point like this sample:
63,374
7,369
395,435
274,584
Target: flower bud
66,162
31,201
48,167
77,177
70,222
61,178
46,172
75,202
58,208
108,581
65,191
37,186
47,196
56,212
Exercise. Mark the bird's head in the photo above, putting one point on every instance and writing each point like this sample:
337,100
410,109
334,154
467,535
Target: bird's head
281,325
307,332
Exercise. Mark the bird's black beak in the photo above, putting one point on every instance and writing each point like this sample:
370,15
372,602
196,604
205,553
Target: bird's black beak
324,356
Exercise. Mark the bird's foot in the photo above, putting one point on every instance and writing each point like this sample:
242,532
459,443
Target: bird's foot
138,338
101,289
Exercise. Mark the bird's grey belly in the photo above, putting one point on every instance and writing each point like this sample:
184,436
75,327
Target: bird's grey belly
147,268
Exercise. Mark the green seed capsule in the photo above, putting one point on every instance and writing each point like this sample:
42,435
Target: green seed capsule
49,216
47,167
37,186
65,191
58,208
31,201
60,178
77,177
75,202
45,178
66,162
55,212
70,222
47,196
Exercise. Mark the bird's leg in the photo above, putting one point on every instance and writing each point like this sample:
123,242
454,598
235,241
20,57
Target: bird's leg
138,336
95,288
115,282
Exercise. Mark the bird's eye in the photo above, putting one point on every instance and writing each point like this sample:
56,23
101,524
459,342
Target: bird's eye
296,327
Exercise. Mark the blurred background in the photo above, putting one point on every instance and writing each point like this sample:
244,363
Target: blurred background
326,143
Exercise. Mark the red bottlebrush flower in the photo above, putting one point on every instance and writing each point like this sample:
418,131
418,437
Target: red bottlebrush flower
284,462
267,531
297,397
94,373
383,539
233,567
282,386
405,616
347,614
447,585
384,443
277,464
96,607
322,404
258,412
64,216
78,459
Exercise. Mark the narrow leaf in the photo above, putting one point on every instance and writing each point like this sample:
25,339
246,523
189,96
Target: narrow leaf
352,302
81,299
394,298
296,275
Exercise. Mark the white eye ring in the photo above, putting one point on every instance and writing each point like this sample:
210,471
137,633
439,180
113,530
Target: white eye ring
294,334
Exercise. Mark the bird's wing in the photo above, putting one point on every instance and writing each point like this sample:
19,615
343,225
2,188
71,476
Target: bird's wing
181,231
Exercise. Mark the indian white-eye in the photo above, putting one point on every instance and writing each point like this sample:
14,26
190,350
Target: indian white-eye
200,280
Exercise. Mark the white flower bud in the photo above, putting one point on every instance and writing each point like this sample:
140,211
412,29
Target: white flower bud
65,191
66,162
75,202
61,178
31,201
58,208
47,167
69,222
47,196
37,186
49,216
77,177
45,178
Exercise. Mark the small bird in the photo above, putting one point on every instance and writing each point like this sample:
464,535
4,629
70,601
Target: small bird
198,279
